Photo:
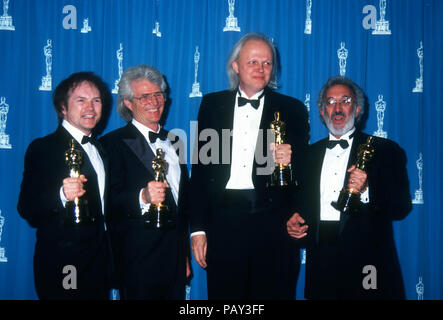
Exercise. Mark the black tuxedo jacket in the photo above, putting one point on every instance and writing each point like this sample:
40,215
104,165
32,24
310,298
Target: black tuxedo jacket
150,263
363,239
84,247
209,180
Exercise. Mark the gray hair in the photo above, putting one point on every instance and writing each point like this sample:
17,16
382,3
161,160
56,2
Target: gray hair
233,56
356,91
137,73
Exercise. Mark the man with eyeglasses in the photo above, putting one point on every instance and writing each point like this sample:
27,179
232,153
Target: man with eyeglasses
152,264
351,256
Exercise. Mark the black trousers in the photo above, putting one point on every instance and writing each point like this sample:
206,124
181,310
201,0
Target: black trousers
250,255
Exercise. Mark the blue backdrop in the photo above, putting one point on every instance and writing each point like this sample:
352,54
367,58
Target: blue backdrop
390,47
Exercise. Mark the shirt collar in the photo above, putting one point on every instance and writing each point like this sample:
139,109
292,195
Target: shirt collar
254,97
73,131
144,129
346,136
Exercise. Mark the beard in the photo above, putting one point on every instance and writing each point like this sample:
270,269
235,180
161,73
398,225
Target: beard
343,130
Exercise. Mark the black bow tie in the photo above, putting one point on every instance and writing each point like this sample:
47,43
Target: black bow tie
91,140
162,135
343,143
254,102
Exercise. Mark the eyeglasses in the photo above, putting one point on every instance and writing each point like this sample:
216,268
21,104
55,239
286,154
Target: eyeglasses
344,101
147,98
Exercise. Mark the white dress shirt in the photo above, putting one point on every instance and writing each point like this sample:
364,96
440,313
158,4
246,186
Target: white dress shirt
333,176
245,131
171,157
93,156
244,139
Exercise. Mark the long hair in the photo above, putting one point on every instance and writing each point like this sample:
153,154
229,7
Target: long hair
137,73
233,56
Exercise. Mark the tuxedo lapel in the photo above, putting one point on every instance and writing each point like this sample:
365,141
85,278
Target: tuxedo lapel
262,143
359,138
229,106
225,121
139,146
226,115
65,139
103,155
105,161
183,184
87,169
317,159
269,108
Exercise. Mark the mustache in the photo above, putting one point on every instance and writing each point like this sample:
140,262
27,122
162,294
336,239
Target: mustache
338,113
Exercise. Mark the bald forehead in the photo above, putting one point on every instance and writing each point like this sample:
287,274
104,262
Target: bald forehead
339,90
256,43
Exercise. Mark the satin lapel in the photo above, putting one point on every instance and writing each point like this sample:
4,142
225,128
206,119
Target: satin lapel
105,161
139,146
226,115
228,106
269,108
103,155
65,139
317,164
225,118
87,169
183,183
359,138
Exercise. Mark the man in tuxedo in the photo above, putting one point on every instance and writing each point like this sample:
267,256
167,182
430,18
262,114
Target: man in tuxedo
238,220
151,263
72,259
351,254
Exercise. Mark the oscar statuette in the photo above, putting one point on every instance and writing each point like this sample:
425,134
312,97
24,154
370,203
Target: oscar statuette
349,199
158,216
282,175
77,211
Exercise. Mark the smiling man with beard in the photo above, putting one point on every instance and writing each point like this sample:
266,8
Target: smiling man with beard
341,248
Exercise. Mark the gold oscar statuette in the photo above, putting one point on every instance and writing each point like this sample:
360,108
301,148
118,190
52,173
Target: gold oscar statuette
158,216
282,175
77,211
349,199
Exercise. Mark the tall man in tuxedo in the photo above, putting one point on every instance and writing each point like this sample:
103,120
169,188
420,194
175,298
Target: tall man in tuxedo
151,263
238,221
351,256
79,102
